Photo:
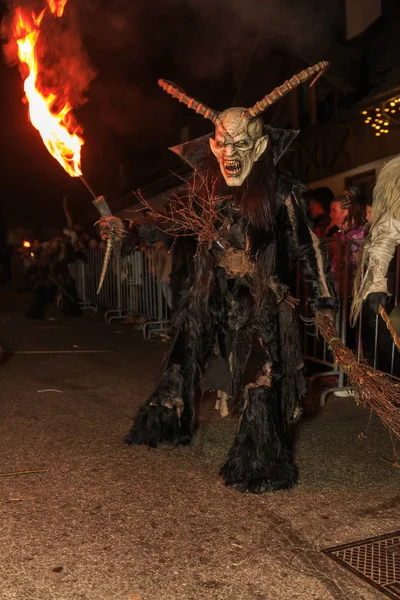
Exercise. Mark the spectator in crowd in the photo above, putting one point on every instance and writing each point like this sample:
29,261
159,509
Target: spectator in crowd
368,209
42,266
36,248
93,244
76,233
319,201
346,233
51,274
160,266
163,262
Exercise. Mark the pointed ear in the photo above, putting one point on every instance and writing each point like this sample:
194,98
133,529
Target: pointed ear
213,146
260,147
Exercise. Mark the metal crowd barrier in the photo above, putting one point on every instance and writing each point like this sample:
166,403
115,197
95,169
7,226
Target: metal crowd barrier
135,286
79,275
369,339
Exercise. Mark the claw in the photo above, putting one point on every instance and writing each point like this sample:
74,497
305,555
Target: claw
308,320
112,231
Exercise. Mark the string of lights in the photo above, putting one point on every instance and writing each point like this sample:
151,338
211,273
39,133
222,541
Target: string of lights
382,117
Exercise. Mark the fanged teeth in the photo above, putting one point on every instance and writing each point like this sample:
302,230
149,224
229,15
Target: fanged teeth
233,167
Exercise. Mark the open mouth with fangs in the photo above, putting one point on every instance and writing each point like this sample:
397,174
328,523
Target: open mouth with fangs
233,167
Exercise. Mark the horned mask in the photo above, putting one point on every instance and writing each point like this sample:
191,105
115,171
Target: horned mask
239,138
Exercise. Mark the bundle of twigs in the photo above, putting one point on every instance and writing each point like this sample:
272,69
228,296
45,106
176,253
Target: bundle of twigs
371,387
191,213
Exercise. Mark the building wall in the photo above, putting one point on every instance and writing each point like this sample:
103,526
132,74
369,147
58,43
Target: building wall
360,14
337,182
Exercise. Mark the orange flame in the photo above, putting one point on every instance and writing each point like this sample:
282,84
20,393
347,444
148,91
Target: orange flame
57,6
57,127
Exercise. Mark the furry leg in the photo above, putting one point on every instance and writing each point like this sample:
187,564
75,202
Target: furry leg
259,460
169,413
159,419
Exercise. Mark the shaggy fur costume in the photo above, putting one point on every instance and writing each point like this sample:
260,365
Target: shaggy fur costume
381,242
235,328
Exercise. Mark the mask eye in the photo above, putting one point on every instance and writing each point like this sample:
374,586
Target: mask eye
242,144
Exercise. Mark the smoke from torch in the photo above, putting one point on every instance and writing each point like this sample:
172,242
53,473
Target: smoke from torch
51,112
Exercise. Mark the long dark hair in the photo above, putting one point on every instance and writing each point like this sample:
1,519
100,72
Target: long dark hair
351,200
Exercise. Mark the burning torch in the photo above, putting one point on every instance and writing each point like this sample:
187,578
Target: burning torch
60,132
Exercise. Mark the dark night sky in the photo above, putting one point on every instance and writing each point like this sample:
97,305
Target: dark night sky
127,119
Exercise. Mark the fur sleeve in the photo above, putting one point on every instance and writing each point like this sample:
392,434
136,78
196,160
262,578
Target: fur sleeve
382,243
376,254
310,254
384,234
383,237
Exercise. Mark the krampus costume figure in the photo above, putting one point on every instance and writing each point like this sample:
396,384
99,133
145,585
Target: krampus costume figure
235,330
375,281
371,283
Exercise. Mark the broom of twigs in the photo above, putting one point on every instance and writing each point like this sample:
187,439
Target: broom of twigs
191,213
371,387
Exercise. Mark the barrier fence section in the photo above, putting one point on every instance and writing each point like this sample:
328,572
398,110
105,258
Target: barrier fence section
369,339
135,286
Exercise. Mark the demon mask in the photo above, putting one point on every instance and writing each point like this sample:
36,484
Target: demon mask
238,144
239,138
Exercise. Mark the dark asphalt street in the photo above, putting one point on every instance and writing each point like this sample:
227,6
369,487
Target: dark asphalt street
110,522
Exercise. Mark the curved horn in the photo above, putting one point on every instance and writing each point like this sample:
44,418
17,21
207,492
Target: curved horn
286,87
107,256
181,96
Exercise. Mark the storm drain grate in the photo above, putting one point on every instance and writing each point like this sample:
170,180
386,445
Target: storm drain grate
376,561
